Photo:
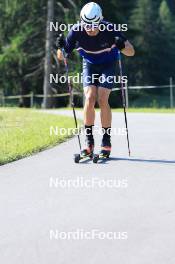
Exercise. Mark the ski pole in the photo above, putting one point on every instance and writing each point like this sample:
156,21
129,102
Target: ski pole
71,93
123,99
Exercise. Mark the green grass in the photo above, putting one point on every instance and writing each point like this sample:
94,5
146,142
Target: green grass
24,132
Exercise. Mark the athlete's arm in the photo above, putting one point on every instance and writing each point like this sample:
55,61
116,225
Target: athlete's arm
60,43
59,55
68,44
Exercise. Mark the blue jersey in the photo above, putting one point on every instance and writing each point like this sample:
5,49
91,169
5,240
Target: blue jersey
97,49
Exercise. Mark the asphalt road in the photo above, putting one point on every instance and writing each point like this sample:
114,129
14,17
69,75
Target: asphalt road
118,211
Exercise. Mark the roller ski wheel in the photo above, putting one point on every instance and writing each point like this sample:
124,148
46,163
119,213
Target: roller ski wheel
85,153
95,158
77,158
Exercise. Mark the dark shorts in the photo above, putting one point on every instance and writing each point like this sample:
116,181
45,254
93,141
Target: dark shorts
102,75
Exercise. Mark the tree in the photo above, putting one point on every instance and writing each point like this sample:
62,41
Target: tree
21,52
171,5
47,103
167,25
148,65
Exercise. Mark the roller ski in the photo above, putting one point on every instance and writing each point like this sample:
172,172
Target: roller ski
88,152
105,147
85,153
103,155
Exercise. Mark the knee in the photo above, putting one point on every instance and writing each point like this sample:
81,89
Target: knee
90,100
102,102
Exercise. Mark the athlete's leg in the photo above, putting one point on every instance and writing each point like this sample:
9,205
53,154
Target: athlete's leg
103,97
89,117
106,119
104,89
90,93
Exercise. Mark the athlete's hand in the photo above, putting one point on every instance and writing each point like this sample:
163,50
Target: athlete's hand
59,55
120,43
60,41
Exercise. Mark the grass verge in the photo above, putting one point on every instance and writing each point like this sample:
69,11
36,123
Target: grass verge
24,132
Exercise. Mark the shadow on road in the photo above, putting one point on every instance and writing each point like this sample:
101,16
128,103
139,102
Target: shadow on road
145,160
106,161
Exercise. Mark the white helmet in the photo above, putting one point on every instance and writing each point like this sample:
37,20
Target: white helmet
91,14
